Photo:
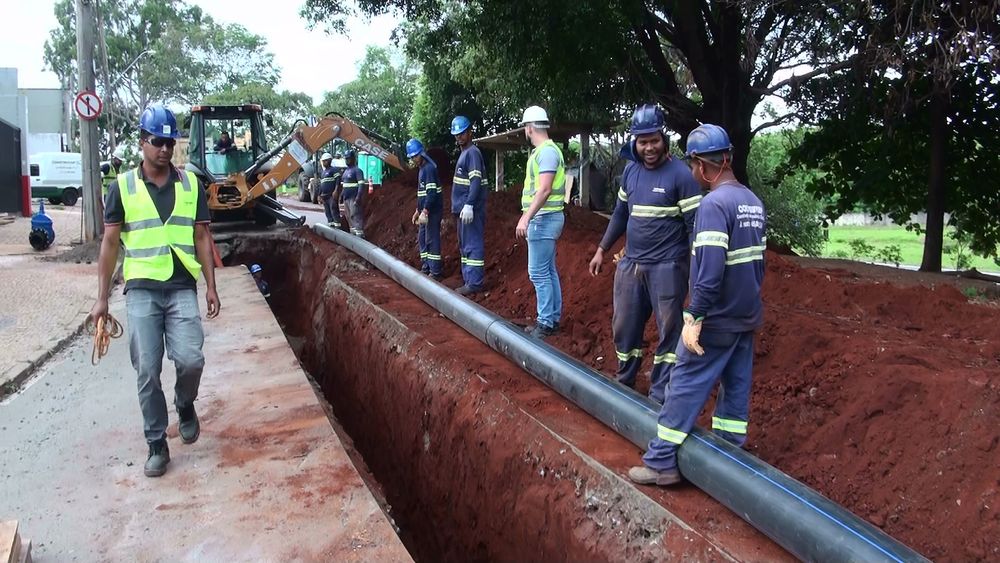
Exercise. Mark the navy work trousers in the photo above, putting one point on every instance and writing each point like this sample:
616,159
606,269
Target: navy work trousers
642,289
470,242
429,243
728,358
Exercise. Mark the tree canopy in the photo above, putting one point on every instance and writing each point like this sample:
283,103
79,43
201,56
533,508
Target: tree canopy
380,98
160,51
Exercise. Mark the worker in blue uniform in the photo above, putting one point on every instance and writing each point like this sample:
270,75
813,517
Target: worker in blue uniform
328,188
351,193
468,204
655,211
727,271
427,217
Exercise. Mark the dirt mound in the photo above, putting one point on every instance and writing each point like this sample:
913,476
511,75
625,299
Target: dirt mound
885,398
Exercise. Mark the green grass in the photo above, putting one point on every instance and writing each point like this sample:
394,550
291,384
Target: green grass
911,246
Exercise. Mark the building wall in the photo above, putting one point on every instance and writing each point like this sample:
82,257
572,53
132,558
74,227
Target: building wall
45,110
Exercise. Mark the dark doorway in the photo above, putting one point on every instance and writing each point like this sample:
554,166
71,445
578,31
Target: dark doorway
10,168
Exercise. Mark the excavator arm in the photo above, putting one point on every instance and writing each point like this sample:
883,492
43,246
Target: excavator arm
241,187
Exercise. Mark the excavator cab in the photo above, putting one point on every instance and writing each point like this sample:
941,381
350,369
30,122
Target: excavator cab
244,125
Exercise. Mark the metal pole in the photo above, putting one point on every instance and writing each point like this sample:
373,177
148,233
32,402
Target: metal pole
106,77
90,155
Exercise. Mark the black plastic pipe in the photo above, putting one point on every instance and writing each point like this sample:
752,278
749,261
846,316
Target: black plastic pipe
799,519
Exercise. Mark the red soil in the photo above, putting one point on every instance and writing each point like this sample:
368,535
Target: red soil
884,398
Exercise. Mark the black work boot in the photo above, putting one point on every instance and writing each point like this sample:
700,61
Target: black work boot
188,426
159,457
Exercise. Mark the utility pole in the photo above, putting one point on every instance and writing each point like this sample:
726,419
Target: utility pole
90,157
106,76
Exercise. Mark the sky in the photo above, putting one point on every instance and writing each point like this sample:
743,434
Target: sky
304,56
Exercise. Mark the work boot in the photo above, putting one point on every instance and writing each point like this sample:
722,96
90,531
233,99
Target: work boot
159,457
531,328
188,426
467,290
646,476
541,331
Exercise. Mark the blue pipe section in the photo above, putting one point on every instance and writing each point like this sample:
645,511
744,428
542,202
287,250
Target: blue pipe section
799,519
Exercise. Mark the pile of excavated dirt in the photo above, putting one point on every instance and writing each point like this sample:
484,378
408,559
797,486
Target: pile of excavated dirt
885,398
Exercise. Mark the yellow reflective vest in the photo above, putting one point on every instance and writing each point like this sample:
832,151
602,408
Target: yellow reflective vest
148,240
555,200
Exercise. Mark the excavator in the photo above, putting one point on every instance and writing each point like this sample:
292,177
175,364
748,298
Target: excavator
245,193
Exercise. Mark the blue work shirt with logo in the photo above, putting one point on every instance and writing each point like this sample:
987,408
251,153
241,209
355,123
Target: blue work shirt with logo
428,188
351,180
727,264
655,211
466,188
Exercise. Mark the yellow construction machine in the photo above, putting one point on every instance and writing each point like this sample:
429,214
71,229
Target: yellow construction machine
239,182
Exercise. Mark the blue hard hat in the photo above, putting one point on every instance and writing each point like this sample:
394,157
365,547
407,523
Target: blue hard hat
413,148
648,118
159,121
350,153
707,139
256,268
460,124
628,151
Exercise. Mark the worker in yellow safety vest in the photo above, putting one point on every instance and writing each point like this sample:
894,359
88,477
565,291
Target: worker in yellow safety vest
111,169
542,218
161,215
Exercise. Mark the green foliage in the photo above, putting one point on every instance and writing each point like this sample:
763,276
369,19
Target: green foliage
861,248
793,214
842,254
972,292
381,98
709,61
282,107
911,244
960,250
891,254
879,161
438,100
192,56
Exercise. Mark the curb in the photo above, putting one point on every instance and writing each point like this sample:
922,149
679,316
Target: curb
13,378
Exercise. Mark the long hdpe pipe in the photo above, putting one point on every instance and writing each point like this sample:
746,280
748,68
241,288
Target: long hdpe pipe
799,519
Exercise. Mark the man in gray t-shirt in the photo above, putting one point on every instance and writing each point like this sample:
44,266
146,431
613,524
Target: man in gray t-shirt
542,219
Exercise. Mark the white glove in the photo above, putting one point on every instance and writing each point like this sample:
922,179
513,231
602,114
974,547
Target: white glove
691,333
466,214
422,219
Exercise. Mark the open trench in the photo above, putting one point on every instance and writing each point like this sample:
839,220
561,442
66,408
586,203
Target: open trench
472,458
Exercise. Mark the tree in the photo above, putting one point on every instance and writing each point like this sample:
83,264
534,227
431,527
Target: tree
911,126
380,98
878,160
793,213
702,60
160,51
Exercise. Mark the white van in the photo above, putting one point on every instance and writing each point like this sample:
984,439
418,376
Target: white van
57,176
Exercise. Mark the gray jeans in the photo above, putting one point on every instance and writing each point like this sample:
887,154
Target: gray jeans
156,317
355,215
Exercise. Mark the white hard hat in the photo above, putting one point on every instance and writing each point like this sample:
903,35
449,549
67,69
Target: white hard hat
326,156
119,152
535,116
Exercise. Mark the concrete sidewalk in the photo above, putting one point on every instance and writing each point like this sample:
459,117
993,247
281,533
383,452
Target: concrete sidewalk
268,480
65,223
42,303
